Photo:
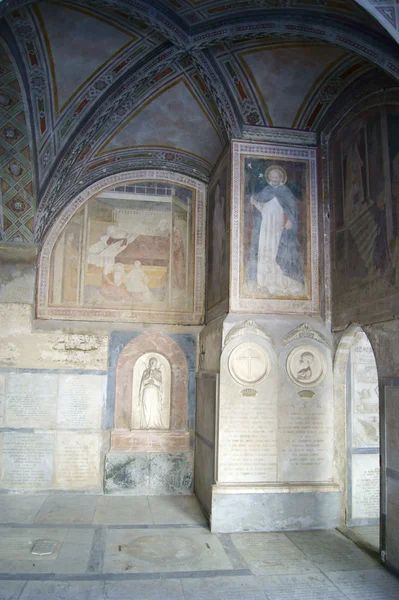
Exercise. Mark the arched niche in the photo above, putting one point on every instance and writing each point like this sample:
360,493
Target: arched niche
357,413
130,247
129,374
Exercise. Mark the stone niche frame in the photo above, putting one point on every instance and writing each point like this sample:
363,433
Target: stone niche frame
238,302
175,439
124,314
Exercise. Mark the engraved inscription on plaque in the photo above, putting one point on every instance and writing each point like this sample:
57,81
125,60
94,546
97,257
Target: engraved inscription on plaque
77,460
27,460
31,400
249,363
306,366
247,417
80,401
365,486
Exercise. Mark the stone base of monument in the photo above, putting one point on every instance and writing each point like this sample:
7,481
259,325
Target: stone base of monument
166,474
278,507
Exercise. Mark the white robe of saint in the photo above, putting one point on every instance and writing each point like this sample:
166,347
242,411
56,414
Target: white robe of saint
269,274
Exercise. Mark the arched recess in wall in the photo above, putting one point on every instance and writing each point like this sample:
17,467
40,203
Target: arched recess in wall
134,430
128,248
357,409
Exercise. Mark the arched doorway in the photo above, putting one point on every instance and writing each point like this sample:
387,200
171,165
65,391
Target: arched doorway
357,380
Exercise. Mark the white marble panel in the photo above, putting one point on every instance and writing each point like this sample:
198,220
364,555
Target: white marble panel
31,400
305,415
27,460
77,460
80,399
2,394
365,486
247,413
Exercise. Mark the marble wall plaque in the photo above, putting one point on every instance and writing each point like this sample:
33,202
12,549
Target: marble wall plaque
31,400
247,415
306,366
77,460
27,460
365,486
305,441
2,393
80,399
364,395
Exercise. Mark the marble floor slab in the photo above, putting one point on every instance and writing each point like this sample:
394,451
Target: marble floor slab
20,509
176,509
149,548
223,588
368,533
144,590
163,550
331,551
367,585
300,586
123,510
272,554
69,508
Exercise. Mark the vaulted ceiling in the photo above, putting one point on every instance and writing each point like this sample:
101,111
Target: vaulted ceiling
113,85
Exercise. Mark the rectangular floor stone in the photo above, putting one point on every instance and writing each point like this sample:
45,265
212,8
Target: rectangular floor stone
17,543
300,587
11,590
369,533
176,509
65,590
272,553
126,510
367,585
163,550
223,588
331,551
20,508
73,509
75,552
144,590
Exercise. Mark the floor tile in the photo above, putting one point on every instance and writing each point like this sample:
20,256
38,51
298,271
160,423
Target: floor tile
75,552
331,551
272,553
11,590
65,590
19,509
222,588
314,586
122,510
176,509
16,545
367,585
144,590
68,509
163,550
368,533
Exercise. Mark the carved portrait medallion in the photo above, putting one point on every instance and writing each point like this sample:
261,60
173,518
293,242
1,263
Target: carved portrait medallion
306,366
249,363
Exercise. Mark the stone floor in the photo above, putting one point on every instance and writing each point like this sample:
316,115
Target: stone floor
79,547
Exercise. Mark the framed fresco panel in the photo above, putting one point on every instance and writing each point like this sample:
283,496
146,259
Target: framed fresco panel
274,229
129,248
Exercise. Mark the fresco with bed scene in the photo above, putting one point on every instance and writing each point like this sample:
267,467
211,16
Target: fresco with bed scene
130,246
